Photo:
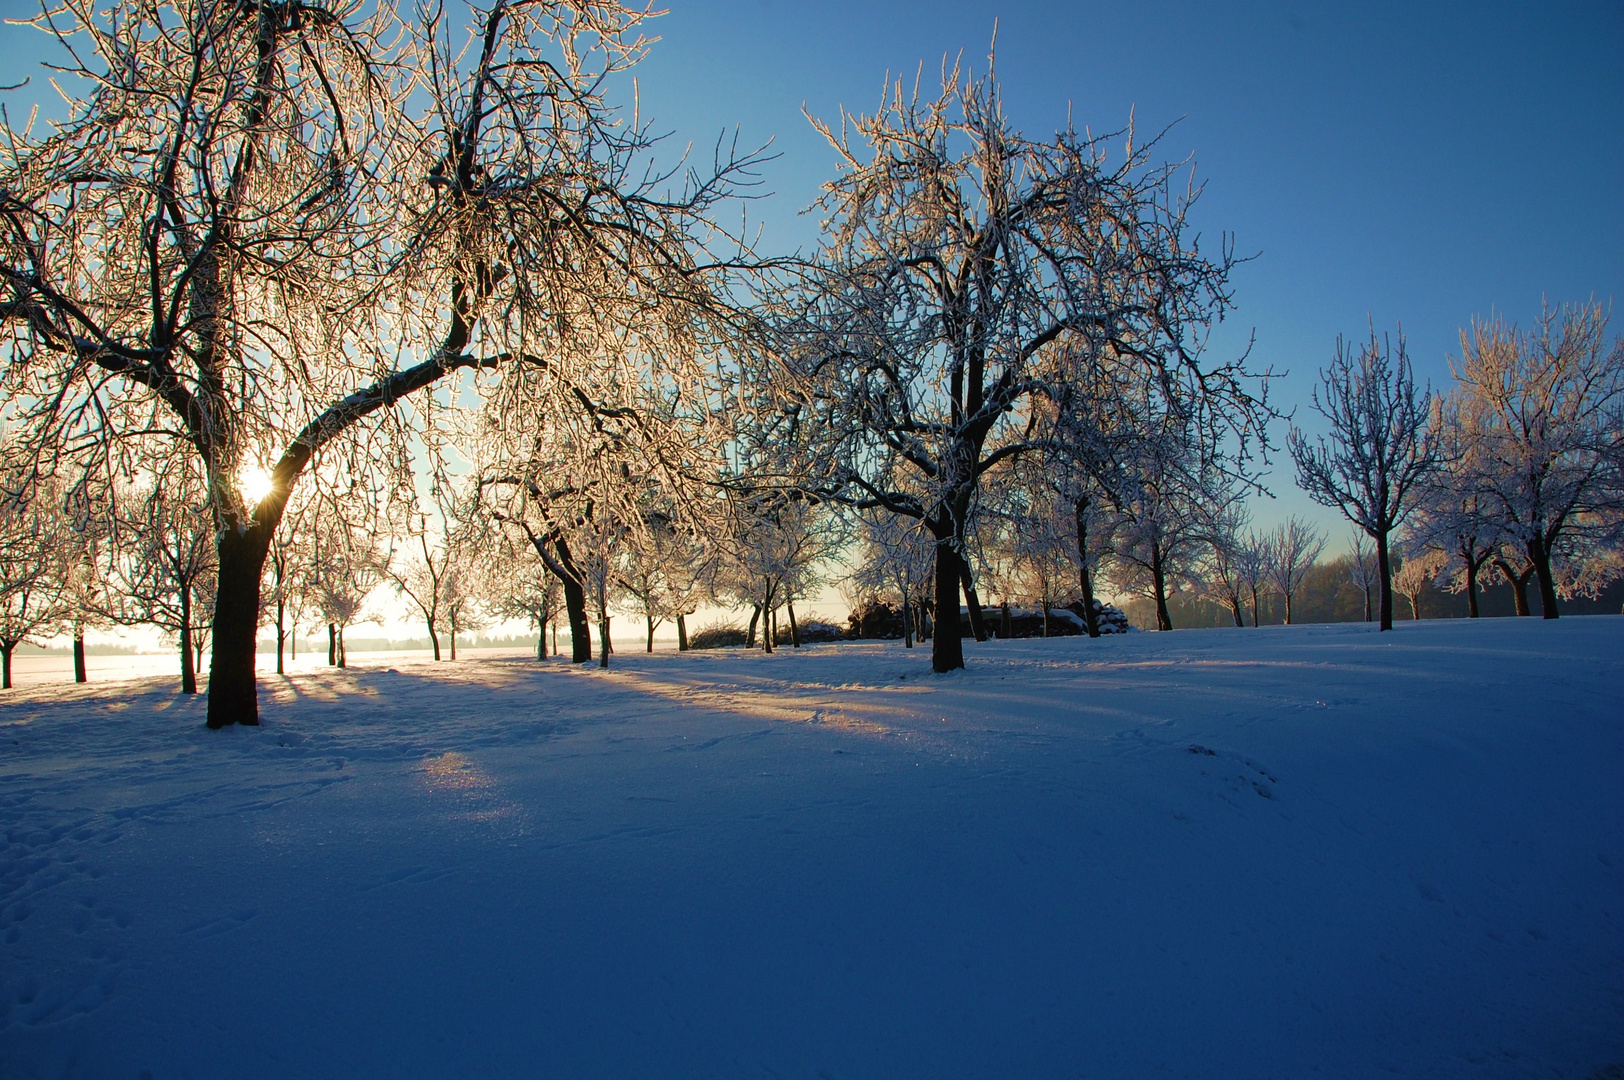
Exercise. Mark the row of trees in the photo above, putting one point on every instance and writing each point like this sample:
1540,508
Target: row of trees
357,295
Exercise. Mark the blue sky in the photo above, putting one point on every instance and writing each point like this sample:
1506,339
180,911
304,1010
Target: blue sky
1414,163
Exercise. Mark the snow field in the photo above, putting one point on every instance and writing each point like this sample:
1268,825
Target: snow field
1290,852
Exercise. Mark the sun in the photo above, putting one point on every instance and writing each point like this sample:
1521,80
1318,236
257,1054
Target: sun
254,483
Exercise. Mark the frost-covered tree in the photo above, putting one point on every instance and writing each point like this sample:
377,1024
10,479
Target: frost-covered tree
968,271
1222,576
1418,570
1292,550
894,565
1380,449
263,223
1363,573
165,561
31,566
1540,412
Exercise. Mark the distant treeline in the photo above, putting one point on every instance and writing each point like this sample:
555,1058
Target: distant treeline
1328,596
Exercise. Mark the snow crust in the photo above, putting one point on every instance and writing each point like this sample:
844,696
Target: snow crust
1288,852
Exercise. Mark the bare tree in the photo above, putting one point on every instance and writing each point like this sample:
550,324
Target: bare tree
969,271
31,567
1292,549
1363,573
1540,413
1381,448
165,564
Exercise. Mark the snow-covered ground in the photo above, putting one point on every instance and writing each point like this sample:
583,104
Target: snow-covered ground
1279,853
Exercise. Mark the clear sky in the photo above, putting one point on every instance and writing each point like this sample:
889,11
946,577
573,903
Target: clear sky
1414,163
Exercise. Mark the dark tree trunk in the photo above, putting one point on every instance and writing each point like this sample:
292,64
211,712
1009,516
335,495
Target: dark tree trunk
1540,555
6,648
552,624
767,624
794,628
1287,595
603,641
907,625
1471,588
1235,610
1006,624
773,618
343,659
1415,605
1091,619
434,638
580,626
188,673
750,634
79,674
453,644
332,645
1384,572
281,630
1045,606
650,646
947,643
541,639
1158,579
682,633
1254,609
1367,603
233,689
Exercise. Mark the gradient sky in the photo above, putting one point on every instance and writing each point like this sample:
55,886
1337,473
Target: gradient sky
1414,163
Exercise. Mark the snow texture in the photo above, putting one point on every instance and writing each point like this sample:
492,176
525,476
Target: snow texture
1289,852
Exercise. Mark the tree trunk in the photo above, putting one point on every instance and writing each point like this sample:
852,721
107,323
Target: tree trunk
281,629
343,660
603,641
1384,572
682,633
1415,605
1254,609
767,624
188,673
947,643
580,626
1091,619
233,688
1006,624
1158,578
434,638
1235,610
1045,606
1540,555
5,663
1471,588
1367,603
972,602
650,646
794,628
1519,584
541,639
1288,606
453,643
332,645
79,674
907,625
750,634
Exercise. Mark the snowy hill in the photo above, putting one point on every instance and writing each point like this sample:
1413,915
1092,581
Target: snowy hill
1233,853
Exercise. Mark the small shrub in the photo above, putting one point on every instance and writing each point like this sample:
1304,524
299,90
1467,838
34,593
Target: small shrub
812,632
717,636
